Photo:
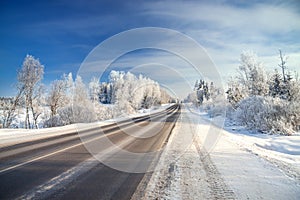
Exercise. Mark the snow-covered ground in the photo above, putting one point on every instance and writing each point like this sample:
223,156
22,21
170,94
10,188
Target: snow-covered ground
241,165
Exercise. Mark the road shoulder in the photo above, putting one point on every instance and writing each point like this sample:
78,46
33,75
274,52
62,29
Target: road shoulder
228,171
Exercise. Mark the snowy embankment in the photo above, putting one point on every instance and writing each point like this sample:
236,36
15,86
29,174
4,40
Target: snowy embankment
14,136
282,151
240,165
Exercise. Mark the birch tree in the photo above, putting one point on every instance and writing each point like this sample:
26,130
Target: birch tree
29,77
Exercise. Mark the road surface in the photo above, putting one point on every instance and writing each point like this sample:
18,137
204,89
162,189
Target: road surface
61,167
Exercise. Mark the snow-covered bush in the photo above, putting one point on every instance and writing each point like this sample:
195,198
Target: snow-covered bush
103,111
264,101
192,98
293,113
76,114
265,114
53,121
216,105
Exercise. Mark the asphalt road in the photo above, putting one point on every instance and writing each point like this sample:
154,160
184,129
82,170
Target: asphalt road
62,167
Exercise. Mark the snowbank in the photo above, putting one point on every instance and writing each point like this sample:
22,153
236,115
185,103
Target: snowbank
241,165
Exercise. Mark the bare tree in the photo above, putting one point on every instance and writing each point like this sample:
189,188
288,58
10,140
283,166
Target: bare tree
282,65
38,101
9,108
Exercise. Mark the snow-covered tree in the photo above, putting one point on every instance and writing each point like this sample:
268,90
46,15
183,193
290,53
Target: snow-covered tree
29,77
105,93
200,96
275,85
80,108
252,77
165,97
281,84
268,106
234,94
202,90
58,97
38,103
151,94
69,102
8,107
94,89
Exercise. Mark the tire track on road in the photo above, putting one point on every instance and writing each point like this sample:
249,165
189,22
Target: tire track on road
217,185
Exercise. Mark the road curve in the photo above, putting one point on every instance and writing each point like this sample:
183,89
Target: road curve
61,167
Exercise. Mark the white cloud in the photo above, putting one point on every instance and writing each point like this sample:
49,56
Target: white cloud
226,30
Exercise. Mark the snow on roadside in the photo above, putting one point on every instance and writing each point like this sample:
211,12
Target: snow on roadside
271,162
237,165
14,136
178,174
282,151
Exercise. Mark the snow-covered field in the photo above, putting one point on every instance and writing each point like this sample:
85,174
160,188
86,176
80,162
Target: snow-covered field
241,165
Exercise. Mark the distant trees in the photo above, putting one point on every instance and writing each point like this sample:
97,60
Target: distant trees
201,92
209,97
95,90
131,93
72,102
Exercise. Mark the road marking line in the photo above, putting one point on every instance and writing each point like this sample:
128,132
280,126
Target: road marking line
56,152
45,190
53,153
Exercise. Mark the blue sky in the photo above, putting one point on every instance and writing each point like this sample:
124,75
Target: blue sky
62,33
